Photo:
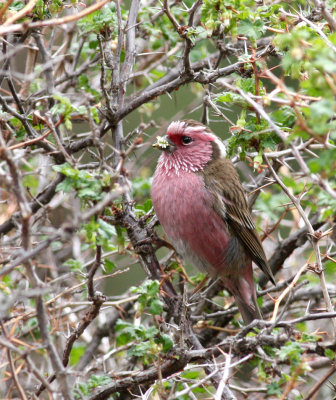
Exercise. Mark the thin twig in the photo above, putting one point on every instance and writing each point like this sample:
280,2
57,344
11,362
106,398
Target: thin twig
315,245
53,21
19,14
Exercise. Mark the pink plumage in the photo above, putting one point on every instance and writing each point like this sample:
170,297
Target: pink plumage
202,208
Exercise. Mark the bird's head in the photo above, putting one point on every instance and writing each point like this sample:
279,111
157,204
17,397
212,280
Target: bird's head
188,146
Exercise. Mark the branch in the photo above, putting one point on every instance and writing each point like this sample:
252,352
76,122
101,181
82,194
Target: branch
175,80
28,255
12,365
130,43
286,247
20,14
259,109
177,360
314,239
42,199
325,12
51,22
172,365
316,388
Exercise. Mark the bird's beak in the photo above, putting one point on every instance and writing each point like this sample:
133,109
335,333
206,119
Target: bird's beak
164,143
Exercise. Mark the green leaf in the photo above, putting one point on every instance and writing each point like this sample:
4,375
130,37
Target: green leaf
65,186
39,8
17,5
63,107
330,354
155,307
106,230
140,349
323,108
74,265
149,288
98,380
152,287
246,84
100,20
87,193
147,205
109,266
147,333
253,30
274,389
95,114
191,375
291,351
230,97
284,116
306,337
166,341
76,353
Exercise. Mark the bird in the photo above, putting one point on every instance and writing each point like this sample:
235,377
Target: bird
203,210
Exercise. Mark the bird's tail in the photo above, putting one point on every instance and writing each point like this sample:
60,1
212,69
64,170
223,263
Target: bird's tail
243,289
249,311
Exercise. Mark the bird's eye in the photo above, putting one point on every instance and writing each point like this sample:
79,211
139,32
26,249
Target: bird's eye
186,139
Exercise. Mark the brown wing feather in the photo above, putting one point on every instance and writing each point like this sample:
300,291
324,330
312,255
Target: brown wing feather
230,203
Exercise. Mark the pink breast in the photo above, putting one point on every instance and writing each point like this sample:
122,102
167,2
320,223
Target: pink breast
185,211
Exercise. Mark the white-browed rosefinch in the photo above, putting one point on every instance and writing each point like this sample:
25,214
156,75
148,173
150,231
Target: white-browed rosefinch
203,210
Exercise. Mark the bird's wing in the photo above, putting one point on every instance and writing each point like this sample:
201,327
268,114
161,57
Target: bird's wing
231,204
239,219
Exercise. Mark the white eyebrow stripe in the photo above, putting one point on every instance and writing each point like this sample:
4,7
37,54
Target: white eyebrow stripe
221,147
191,129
